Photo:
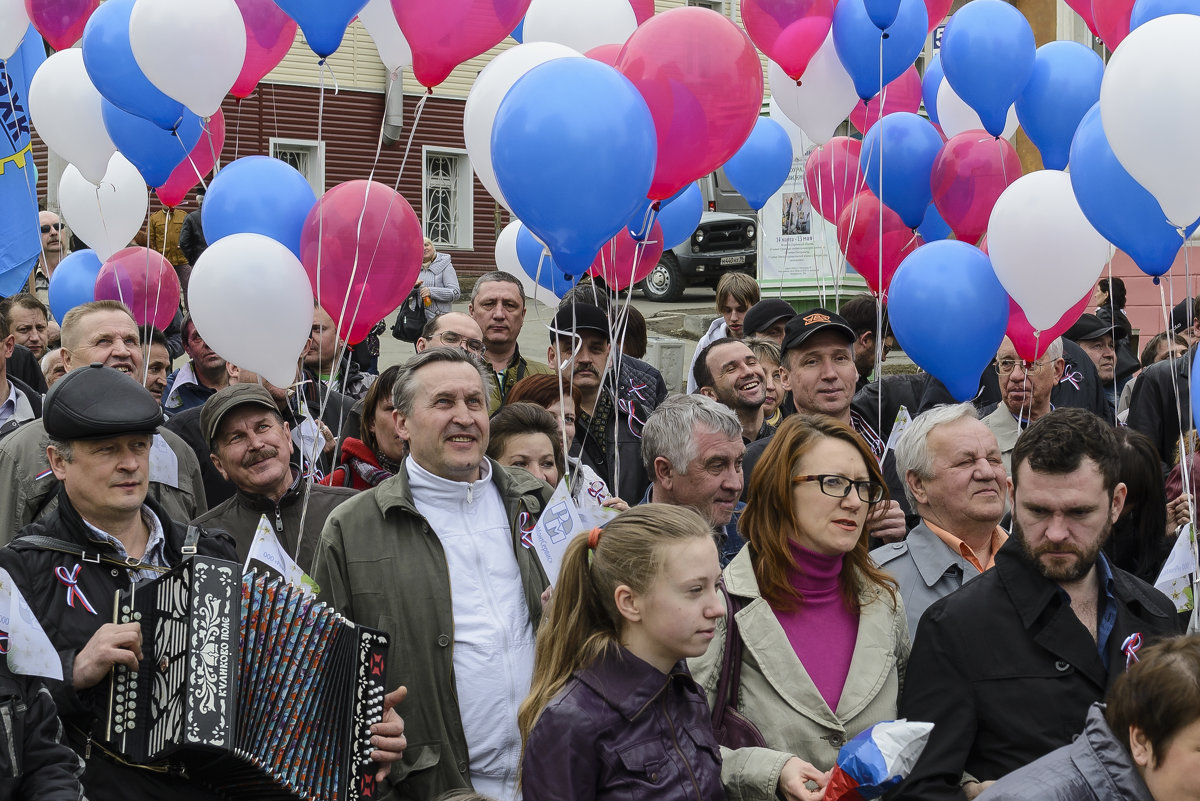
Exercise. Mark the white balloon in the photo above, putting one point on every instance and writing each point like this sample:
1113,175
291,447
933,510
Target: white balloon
824,97
1150,108
507,260
65,108
493,83
380,21
108,215
225,297
192,51
955,116
14,22
579,24
1044,251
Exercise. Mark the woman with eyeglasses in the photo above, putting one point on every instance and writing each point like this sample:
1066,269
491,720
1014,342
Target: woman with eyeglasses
822,631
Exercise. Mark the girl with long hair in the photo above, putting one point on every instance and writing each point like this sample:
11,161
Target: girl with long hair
613,712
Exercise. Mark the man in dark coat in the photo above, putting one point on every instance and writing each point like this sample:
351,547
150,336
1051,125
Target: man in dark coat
1007,667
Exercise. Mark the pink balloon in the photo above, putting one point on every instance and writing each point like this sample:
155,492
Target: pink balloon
968,175
832,176
1084,9
1111,20
623,261
858,237
1028,344
789,31
60,22
937,10
197,165
144,281
642,10
361,246
445,33
605,53
701,77
269,35
902,94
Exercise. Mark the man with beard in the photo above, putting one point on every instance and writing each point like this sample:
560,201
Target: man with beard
1006,667
728,372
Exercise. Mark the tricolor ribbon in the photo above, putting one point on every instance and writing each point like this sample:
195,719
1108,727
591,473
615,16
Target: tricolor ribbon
636,389
3,643
1132,644
631,416
526,524
70,580
1074,378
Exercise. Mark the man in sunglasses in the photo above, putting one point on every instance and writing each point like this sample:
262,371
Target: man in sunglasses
1025,389
54,250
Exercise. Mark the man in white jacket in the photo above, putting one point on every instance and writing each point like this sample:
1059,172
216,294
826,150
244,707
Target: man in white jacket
736,293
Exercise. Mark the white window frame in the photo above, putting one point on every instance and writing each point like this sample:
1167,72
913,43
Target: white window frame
464,209
716,5
316,152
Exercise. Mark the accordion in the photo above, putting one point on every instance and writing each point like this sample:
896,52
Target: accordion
257,690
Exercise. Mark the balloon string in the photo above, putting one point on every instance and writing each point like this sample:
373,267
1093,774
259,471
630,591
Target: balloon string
408,145
237,127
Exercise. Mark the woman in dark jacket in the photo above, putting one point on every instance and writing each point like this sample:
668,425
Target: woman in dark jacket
364,463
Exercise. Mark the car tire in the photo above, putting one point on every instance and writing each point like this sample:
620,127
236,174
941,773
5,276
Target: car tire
664,284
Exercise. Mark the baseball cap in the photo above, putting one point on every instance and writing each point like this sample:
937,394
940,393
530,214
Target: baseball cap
803,326
1181,316
1088,326
98,402
576,317
226,400
766,313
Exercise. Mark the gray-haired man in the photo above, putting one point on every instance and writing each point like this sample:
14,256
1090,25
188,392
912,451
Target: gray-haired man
692,449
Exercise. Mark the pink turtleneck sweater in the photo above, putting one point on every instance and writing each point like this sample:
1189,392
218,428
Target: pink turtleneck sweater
822,631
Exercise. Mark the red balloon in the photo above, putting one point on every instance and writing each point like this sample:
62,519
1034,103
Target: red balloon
605,53
937,10
361,246
968,175
269,35
902,94
1084,9
1111,20
789,32
701,77
623,261
197,165
60,22
642,10
144,281
832,176
858,237
445,33
1028,344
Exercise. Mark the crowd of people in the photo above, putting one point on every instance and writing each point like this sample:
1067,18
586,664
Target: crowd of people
791,561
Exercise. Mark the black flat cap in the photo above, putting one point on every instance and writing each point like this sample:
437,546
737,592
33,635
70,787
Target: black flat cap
226,400
766,313
1088,326
577,317
803,326
98,402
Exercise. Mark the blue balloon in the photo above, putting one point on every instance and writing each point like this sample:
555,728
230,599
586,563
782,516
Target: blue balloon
324,22
258,195
1195,391
574,150
680,217
762,163
155,152
897,158
949,312
860,44
108,59
1146,10
931,81
519,32
933,227
1135,223
987,55
73,282
1065,83
883,12
538,264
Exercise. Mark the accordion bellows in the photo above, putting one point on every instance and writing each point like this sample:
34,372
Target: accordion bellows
257,690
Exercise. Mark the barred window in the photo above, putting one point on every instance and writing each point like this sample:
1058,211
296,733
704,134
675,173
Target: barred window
307,156
448,198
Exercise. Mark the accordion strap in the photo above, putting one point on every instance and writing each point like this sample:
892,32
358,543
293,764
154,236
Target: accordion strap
95,557
167,768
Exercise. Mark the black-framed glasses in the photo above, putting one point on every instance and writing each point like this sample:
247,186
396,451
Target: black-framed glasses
452,338
56,226
839,487
1006,366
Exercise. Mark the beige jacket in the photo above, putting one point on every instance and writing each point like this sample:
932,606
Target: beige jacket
779,697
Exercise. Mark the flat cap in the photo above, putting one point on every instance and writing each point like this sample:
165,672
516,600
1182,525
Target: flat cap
1088,326
576,317
803,326
1181,316
98,402
766,313
227,399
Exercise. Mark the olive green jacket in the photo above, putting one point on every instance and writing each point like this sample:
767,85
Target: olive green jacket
380,564
778,696
517,369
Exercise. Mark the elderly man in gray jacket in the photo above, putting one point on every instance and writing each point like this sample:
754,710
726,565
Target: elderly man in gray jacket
954,478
